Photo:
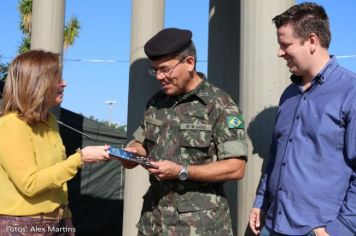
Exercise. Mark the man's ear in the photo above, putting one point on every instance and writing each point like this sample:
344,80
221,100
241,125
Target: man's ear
313,42
190,62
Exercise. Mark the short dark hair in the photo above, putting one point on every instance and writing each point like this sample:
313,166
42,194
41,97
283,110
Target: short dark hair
188,51
306,18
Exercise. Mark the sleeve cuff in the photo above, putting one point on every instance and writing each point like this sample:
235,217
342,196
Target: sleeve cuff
232,149
74,161
336,228
260,203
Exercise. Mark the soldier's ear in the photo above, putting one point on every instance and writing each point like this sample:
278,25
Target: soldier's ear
190,63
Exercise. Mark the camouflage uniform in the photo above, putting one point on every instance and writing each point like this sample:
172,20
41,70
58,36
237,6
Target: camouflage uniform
196,128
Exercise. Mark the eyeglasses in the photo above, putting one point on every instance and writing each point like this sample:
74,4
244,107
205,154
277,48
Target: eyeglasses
165,71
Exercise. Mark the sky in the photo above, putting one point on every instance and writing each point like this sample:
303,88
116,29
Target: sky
105,35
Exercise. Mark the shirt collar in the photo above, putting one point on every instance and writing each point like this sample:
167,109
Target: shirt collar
322,76
51,120
200,91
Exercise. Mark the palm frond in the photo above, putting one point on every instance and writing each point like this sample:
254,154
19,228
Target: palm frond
25,8
71,32
25,45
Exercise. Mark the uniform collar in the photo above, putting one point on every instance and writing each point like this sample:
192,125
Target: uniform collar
199,92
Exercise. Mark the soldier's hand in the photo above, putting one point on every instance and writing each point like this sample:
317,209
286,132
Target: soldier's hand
256,217
129,164
166,169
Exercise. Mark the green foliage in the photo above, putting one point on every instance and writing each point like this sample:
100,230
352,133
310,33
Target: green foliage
116,126
71,29
71,32
25,45
25,8
3,70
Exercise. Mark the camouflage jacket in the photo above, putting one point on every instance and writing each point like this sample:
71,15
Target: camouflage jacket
202,126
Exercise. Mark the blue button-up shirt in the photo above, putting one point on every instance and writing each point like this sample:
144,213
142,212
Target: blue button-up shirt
310,180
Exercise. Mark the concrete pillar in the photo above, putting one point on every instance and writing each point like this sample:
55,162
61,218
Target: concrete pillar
224,66
263,77
48,25
243,62
147,19
224,46
47,29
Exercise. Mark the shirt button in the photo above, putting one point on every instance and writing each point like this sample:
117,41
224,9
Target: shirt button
290,140
283,164
297,117
304,98
280,213
280,188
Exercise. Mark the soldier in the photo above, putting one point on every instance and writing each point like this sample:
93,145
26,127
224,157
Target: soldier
195,134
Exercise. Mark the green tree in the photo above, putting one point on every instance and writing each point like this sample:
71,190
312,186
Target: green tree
25,8
71,29
25,45
71,32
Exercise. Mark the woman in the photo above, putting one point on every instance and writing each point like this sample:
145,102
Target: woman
33,165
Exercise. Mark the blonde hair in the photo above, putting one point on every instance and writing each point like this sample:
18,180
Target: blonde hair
30,84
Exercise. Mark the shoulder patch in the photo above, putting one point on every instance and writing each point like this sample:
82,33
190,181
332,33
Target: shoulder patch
235,122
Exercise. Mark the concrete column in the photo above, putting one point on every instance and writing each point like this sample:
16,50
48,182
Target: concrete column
47,29
224,46
224,66
263,77
147,19
48,25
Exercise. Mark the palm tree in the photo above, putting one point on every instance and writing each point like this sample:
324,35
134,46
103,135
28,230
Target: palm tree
71,29
71,32
25,8
25,45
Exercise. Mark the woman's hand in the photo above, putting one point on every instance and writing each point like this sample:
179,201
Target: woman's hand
94,154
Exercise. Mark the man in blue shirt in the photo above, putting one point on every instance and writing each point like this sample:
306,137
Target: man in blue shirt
309,185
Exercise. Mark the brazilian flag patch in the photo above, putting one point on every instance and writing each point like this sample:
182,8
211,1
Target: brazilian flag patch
235,122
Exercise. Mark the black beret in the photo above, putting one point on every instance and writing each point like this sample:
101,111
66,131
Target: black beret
167,42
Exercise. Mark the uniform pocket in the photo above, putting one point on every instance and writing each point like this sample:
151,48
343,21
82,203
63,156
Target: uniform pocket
152,129
195,201
195,135
194,140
